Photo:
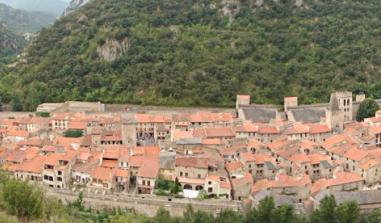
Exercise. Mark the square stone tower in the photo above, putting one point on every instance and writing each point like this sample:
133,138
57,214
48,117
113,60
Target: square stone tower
290,102
242,100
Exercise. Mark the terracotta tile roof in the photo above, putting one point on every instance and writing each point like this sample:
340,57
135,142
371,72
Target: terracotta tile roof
145,150
299,158
208,117
307,144
260,185
247,178
34,165
55,158
60,116
247,127
102,173
267,129
150,169
66,141
234,149
317,158
18,156
253,143
318,128
109,163
335,140
219,132
145,118
179,134
17,133
112,153
258,158
369,163
211,142
233,166
297,128
121,173
340,178
222,181
278,144
77,125
375,130
194,162
283,180
193,181
373,120
355,154
136,161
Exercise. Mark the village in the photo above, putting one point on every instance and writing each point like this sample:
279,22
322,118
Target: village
296,154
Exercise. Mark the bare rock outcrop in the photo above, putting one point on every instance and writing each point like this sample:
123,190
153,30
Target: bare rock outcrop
112,49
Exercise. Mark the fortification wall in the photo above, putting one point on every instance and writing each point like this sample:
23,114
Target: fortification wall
147,205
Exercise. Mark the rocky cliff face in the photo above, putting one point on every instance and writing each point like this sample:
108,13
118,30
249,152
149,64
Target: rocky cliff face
10,43
74,5
112,49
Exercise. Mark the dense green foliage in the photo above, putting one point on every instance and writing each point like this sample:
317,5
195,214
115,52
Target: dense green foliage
22,200
166,187
43,114
20,22
367,109
189,53
73,133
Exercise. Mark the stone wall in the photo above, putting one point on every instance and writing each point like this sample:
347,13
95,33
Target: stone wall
147,205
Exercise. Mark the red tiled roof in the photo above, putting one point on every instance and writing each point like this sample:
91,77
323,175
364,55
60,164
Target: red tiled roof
102,173
145,118
192,162
150,169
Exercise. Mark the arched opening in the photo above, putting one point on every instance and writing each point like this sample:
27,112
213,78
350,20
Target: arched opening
187,187
199,187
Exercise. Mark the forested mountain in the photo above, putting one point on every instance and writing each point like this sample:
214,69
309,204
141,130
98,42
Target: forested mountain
10,43
52,7
202,52
19,21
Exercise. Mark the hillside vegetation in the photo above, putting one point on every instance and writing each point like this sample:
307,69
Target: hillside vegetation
10,43
202,52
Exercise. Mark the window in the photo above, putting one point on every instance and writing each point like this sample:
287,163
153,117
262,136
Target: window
210,190
199,176
148,183
144,182
59,172
186,174
181,174
59,179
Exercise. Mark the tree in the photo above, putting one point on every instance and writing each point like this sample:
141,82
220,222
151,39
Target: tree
16,103
326,213
73,133
23,200
284,214
367,109
263,213
162,216
374,217
348,212
228,216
